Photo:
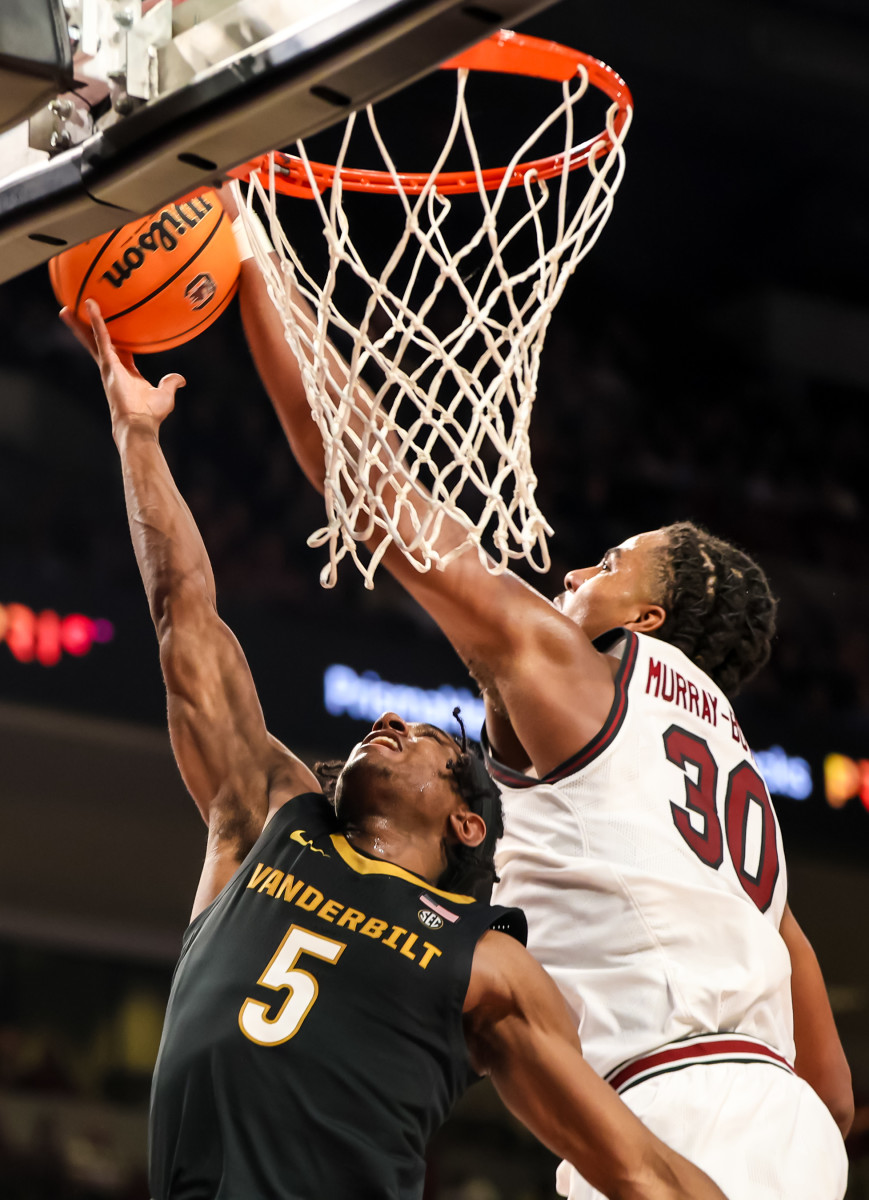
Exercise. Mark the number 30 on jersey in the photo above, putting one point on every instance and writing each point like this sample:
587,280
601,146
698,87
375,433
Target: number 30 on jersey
749,820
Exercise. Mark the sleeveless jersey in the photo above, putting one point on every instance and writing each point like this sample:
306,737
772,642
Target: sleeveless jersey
650,868
313,1039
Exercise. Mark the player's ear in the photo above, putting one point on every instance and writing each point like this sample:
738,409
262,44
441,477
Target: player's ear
468,828
651,617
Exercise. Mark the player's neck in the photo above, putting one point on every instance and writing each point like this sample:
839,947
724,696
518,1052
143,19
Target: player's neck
379,838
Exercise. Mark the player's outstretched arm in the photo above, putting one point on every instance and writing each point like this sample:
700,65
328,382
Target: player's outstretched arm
820,1056
556,687
521,1033
231,765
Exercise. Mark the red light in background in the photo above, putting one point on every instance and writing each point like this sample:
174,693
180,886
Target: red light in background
46,636
76,633
20,631
845,778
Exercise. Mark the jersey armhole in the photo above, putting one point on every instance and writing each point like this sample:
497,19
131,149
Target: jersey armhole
511,921
271,827
601,740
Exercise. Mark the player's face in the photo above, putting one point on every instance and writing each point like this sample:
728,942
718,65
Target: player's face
619,590
408,758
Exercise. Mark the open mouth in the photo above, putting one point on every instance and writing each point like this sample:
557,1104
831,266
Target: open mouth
382,738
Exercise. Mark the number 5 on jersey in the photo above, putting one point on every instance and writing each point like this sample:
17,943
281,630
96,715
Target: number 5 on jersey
282,972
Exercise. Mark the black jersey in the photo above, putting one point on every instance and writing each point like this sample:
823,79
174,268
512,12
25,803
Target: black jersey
313,1040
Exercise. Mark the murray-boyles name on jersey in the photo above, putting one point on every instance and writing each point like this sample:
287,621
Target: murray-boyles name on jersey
651,870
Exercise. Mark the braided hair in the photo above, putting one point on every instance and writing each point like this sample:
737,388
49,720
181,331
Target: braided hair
720,609
470,869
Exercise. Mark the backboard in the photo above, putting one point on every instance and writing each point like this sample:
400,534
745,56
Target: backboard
170,94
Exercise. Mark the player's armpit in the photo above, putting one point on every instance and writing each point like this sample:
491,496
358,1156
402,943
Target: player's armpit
503,742
521,1033
820,1057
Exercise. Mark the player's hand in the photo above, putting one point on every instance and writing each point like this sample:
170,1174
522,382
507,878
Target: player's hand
131,397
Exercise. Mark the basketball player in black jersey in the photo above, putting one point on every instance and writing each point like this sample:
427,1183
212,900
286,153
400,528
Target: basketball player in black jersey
335,994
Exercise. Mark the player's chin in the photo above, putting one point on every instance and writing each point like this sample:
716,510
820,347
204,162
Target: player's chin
360,772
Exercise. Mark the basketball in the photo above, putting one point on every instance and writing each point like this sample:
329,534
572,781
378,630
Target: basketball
160,280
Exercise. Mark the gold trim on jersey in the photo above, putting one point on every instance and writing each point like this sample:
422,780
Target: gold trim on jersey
367,866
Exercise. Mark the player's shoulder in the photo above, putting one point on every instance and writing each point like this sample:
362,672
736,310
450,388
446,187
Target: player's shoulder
502,968
297,808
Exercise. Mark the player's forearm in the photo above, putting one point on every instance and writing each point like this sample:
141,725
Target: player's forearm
520,1031
820,1058
281,375
279,371
821,1062
578,1116
168,546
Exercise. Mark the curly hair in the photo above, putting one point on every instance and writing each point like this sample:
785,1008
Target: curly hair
720,609
470,869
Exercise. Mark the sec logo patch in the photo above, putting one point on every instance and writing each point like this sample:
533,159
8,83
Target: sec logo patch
429,919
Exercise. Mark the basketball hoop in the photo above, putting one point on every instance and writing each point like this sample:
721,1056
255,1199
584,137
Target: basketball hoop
466,394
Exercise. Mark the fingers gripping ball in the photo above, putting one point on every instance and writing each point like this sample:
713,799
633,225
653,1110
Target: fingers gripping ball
160,280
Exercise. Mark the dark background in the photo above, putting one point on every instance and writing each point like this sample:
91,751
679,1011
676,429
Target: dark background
710,360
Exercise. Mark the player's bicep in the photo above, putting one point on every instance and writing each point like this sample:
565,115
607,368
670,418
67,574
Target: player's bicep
483,615
215,720
511,1001
556,687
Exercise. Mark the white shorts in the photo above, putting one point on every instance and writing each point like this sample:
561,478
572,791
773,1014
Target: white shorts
759,1132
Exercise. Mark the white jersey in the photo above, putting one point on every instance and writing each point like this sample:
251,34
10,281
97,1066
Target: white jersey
651,870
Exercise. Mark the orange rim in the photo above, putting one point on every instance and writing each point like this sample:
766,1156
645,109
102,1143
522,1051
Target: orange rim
505,52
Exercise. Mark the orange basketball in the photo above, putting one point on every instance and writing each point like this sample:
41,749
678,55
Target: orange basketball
160,280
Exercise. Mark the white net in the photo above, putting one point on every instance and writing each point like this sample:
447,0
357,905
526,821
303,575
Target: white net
425,426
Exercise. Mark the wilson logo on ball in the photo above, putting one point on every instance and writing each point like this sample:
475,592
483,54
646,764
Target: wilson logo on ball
160,280
163,234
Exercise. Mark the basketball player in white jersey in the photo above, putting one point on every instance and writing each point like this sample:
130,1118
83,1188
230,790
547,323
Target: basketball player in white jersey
640,838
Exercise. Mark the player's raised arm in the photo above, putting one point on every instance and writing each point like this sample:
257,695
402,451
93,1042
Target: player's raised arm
230,764
521,1033
555,685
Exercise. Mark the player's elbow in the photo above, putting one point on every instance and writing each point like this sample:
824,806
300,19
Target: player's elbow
190,635
833,1086
843,1114
182,601
839,1099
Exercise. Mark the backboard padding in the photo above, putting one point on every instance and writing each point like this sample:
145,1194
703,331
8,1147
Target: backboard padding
259,101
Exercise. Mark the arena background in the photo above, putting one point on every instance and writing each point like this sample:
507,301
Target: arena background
710,360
